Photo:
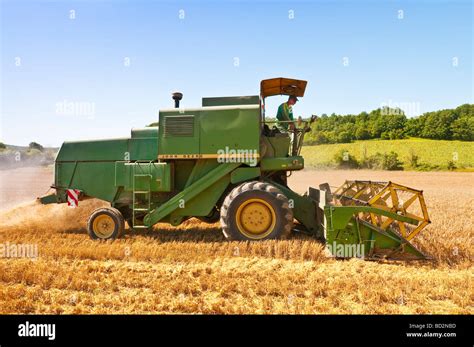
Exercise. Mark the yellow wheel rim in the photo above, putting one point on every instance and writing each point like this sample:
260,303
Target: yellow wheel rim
256,219
103,226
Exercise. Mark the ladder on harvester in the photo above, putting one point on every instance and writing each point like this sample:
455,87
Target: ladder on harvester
141,196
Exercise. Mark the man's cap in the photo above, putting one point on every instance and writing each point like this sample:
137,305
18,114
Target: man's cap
293,97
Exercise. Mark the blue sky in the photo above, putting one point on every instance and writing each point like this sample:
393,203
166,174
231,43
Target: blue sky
120,60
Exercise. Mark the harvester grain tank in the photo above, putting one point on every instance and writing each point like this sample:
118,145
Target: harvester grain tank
225,162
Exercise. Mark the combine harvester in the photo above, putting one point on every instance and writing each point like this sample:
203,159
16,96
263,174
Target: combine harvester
223,161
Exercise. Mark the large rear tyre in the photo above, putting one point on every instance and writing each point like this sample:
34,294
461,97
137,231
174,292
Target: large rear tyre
105,224
256,211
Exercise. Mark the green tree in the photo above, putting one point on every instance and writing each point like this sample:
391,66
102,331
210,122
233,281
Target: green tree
362,133
463,129
344,137
35,145
437,125
413,127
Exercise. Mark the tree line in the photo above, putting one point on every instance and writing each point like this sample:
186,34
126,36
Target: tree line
392,123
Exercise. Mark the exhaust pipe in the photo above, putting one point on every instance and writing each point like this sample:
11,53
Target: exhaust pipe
177,96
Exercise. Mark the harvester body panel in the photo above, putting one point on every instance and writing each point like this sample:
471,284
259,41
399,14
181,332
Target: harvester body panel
219,132
90,166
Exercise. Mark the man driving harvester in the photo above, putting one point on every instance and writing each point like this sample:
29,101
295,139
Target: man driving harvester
285,113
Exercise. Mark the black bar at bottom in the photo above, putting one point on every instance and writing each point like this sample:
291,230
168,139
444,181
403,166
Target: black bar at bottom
393,330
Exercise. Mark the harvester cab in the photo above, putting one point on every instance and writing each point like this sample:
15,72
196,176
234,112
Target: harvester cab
221,162
289,87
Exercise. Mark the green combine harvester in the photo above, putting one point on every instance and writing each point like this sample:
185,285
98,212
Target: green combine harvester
224,162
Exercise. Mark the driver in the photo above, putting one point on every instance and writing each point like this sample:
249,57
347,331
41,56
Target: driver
285,113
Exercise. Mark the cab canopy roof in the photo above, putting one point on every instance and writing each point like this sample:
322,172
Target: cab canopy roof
282,86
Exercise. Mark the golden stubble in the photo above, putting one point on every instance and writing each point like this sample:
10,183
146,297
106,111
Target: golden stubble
192,269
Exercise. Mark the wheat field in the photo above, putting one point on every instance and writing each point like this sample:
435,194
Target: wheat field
192,269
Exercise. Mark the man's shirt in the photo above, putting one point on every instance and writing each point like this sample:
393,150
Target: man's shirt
285,113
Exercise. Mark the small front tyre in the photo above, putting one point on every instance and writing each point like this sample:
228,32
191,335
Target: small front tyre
105,224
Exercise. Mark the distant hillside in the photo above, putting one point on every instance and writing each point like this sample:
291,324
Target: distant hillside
406,154
12,156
